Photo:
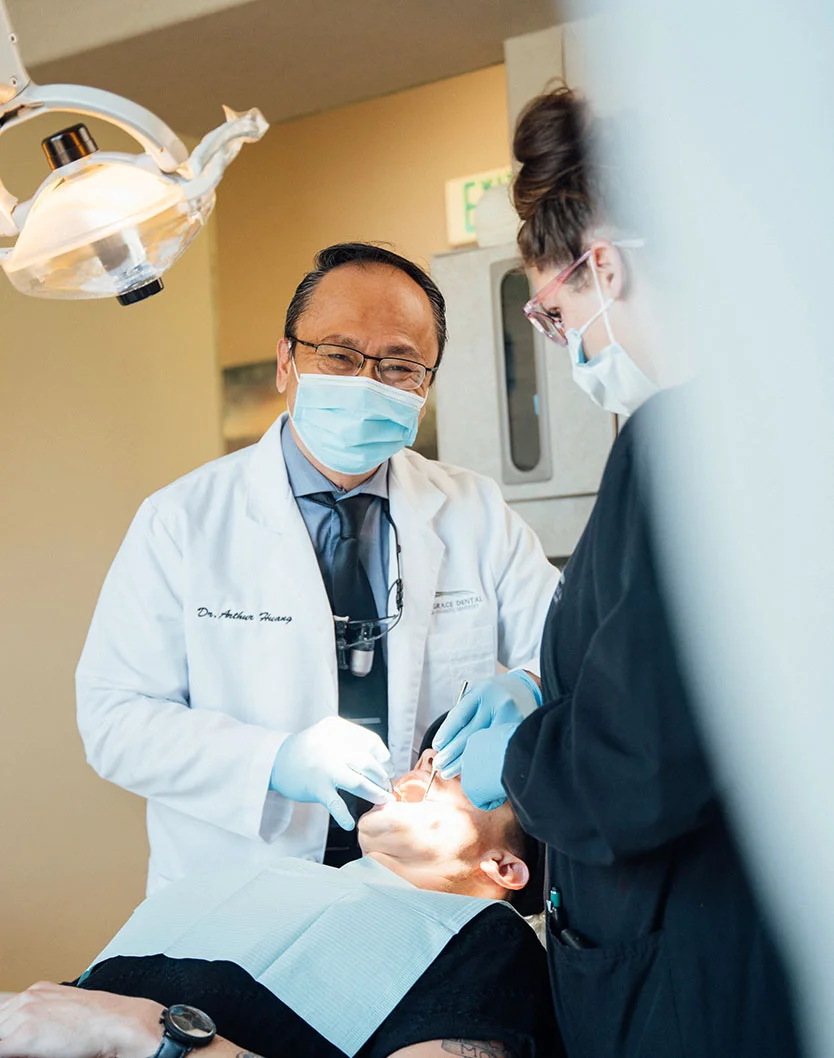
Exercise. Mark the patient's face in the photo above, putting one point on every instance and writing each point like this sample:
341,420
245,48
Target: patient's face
438,843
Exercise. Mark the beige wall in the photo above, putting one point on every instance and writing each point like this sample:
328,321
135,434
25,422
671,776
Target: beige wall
99,405
371,171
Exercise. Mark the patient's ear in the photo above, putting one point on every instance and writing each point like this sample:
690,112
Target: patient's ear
505,869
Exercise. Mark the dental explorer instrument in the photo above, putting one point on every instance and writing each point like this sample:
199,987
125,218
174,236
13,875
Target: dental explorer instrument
463,691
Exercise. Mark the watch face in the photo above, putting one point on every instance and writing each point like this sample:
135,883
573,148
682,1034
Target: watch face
191,1022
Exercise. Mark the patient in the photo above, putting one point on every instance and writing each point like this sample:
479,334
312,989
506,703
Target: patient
485,994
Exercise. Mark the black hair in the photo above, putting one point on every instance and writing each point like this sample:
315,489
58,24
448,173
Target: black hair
365,253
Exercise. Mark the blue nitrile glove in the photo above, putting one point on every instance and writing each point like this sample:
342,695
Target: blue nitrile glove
482,764
505,699
333,755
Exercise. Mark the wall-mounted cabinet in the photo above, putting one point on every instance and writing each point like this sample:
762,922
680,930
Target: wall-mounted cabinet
506,403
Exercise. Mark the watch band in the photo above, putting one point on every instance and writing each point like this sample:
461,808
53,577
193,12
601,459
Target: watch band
170,1048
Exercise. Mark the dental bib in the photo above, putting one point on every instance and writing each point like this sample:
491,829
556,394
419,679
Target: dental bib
364,931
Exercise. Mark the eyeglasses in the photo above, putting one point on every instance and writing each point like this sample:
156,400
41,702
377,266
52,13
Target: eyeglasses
543,320
549,325
329,359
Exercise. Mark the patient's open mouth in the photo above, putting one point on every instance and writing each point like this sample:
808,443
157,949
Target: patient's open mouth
412,788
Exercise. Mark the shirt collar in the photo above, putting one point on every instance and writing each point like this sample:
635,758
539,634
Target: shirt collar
305,479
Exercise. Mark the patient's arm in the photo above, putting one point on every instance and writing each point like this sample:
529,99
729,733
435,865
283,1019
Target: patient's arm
462,1048
55,1021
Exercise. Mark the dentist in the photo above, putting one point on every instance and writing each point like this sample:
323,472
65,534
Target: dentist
281,626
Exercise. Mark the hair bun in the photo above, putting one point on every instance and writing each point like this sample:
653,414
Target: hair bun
553,191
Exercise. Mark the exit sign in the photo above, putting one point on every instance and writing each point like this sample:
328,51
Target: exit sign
462,195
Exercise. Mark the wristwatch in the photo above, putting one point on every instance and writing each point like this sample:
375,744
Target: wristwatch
183,1029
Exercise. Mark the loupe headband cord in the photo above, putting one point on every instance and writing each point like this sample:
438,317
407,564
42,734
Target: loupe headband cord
398,583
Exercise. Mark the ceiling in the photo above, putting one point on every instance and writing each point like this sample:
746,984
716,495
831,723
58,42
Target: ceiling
184,58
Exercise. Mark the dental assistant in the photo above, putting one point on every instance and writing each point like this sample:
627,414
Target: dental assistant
281,626
668,952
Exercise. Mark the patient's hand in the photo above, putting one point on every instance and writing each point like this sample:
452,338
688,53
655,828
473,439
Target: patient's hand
56,1021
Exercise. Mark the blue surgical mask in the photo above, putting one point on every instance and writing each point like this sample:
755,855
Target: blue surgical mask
611,378
352,425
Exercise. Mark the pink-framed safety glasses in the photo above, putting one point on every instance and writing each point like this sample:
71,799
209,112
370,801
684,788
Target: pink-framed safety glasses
551,326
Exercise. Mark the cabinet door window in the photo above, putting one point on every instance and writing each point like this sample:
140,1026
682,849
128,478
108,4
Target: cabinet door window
520,374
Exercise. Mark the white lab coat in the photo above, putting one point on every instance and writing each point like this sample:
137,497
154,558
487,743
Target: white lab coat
213,640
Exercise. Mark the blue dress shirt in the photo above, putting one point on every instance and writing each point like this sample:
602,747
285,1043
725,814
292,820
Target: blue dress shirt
323,522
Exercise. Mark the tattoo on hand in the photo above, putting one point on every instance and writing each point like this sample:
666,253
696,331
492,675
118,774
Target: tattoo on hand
478,1049
246,1054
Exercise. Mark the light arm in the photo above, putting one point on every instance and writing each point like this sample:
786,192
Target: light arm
160,142
164,146
21,100
13,75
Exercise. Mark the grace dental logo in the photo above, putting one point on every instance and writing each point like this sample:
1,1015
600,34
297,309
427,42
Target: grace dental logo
455,601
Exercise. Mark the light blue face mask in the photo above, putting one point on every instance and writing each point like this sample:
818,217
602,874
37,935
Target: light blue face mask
352,425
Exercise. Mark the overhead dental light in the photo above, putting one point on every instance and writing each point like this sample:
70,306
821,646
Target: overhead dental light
106,224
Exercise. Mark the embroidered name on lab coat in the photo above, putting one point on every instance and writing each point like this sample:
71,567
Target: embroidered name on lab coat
242,615
455,601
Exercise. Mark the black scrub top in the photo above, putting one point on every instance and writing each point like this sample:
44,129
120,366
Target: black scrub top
611,773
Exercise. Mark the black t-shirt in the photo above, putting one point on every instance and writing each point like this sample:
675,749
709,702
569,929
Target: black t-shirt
489,983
